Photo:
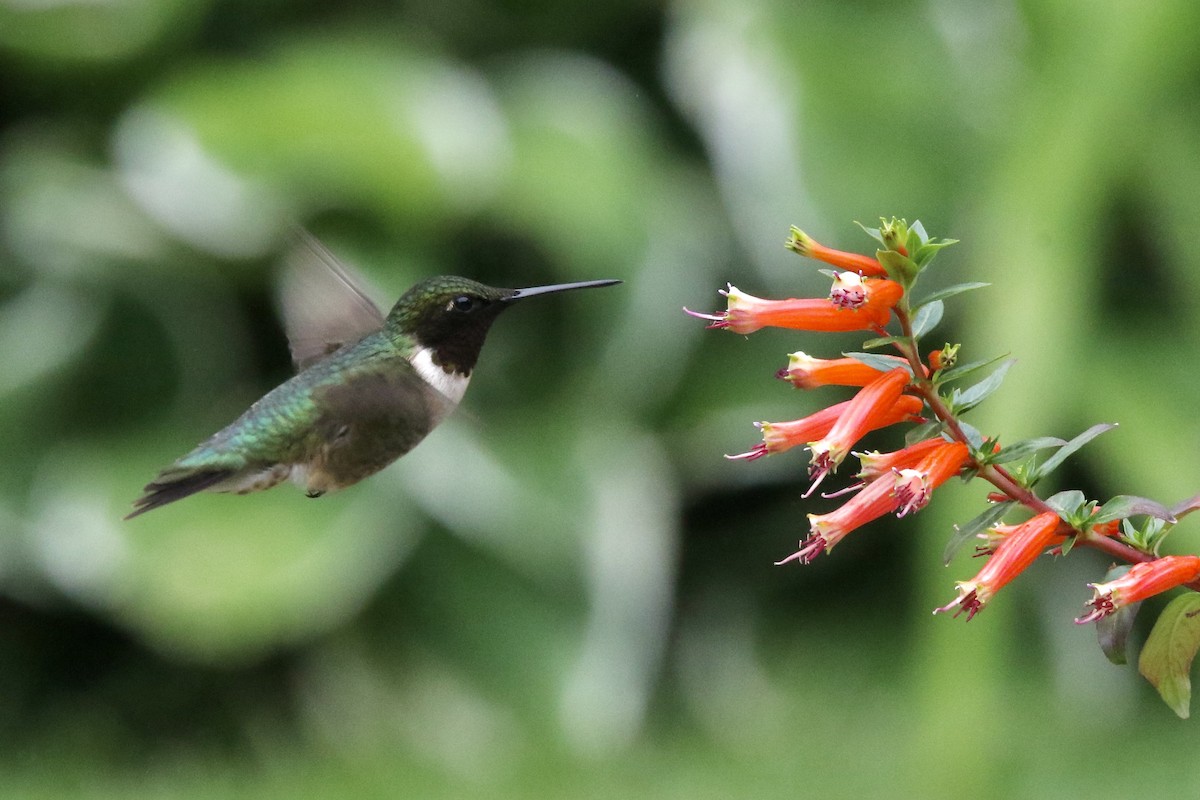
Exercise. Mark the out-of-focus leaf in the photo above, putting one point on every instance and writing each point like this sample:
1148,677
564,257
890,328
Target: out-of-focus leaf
88,34
968,531
34,336
927,318
1166,659
1051,464
1123,506
1112,630
332,105
213,577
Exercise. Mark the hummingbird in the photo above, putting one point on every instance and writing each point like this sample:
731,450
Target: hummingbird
368,389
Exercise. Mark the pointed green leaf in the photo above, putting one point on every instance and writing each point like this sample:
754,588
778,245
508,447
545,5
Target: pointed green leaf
964,533
973,434
1067,503
1166,659
926,252
950,291
1112,631
880,362
927,317
919,229
882,341
1124,506
1025,448
922,432
963,370
899,267
1069,448
872,232
963,400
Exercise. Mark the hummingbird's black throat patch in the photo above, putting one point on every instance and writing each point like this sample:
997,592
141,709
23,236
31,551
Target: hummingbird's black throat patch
455,341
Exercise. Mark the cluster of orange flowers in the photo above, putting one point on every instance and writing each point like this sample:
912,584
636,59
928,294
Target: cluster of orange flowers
866,296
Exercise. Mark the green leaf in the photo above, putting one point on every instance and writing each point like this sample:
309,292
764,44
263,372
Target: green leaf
963,400
1069,448
922,432
882,341
927,317
1166,659
963,370
950,291
872,232
1124,506
1148,536
1112,631
919,229
1024,448
973,434
899,267
1067,503
926,252
880,362
964,533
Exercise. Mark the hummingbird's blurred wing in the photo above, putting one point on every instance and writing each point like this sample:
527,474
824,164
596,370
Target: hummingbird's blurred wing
323,302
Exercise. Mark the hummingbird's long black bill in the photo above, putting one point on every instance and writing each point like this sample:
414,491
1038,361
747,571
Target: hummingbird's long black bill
521,294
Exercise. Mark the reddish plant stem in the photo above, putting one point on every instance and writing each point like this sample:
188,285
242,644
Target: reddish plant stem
994,474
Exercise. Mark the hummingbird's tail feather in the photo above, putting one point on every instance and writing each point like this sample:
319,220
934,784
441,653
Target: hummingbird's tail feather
168,488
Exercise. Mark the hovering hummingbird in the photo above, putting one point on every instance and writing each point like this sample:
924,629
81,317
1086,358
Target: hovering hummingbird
368,389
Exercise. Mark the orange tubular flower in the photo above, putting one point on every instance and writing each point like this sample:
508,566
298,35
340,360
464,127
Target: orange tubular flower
747,313
915,486
881,297
805,372
875,463
1141,581
872,403
781,436
994,535
1016,552
826,530
899,490
800,242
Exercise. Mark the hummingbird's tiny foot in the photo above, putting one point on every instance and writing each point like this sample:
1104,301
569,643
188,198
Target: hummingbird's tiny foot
313,493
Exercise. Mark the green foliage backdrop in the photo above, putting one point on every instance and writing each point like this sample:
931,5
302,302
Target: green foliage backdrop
566,591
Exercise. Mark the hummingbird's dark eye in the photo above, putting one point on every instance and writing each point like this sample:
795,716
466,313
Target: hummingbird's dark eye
463,303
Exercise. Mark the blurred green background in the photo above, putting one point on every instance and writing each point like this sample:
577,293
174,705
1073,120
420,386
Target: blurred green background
566,591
